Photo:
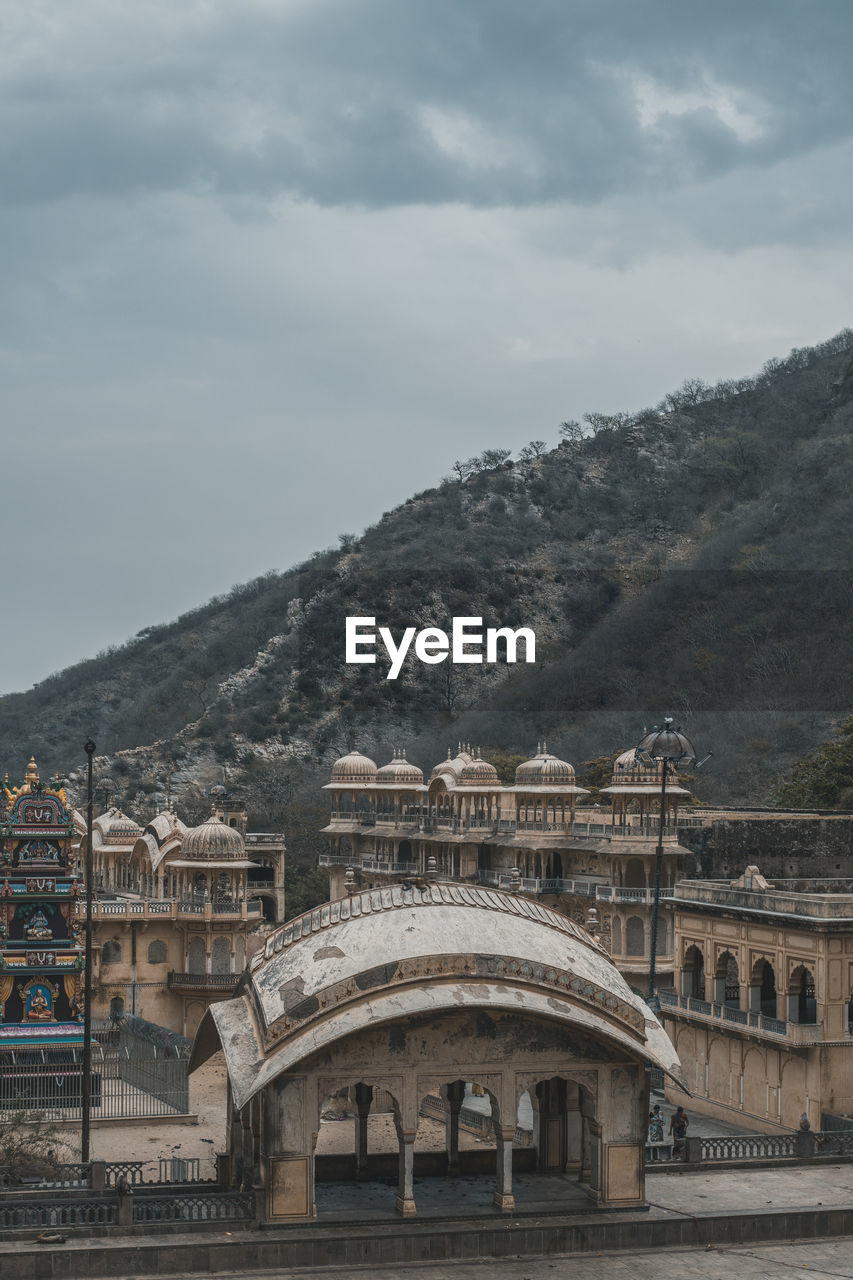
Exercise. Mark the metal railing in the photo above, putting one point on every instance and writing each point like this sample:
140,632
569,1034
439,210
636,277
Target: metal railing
802,1033
203,981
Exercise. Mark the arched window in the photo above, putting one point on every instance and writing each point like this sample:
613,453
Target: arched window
111,953
220,956
635,874
802,1006
116,1007
635,937
196,956
157,952
616,935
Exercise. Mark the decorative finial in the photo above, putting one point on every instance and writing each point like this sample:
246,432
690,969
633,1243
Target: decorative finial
349,881
544,747
515,880
592,922
432,867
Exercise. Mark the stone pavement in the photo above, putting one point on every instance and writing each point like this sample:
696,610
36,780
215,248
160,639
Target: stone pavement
668,1194
830,1258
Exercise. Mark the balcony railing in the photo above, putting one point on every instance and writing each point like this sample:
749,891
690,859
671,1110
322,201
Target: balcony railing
752,1021
144,908
616,893
503,880
203,981
426,821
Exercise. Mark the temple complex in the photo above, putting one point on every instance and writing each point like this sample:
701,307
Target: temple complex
41,955
540,835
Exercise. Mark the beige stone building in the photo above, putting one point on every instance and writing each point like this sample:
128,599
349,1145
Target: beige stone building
419,990
540,835
761,1012
178,910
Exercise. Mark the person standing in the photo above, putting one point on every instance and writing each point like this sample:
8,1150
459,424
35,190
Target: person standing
678,1128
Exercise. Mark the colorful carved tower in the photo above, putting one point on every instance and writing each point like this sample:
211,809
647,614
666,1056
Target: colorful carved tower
41,951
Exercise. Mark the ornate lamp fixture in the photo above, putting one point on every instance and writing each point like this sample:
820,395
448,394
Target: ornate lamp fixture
665,745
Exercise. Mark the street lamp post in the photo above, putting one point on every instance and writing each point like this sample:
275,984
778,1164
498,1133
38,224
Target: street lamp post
668,746
86,1098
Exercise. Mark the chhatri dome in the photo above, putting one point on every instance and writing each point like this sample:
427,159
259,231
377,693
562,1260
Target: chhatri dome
354,767
478,772
213,841
543,770
399,772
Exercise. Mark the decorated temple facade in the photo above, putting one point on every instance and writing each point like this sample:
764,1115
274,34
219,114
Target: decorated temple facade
41,948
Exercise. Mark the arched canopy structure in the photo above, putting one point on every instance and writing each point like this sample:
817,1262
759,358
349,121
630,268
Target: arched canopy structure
411,989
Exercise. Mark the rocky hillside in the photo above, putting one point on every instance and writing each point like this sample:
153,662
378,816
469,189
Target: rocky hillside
691,559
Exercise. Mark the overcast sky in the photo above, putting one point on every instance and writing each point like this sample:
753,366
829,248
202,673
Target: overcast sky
269,266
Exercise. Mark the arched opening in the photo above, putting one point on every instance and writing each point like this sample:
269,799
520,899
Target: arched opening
220,956
802,1005
635,936
111,953
456,1132
635,874
404,851
727,981
268,905
157,952
116,1007
357,1136
196,956
693,973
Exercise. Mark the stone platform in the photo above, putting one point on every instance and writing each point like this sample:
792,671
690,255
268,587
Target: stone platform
691,1210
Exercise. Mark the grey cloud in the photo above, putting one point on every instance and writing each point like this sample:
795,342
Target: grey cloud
325,100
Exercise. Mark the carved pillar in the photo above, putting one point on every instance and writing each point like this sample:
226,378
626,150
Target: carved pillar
455,1094
363,1099
405,1203
503,1197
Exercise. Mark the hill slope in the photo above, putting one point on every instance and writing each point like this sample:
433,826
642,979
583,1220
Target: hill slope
693,559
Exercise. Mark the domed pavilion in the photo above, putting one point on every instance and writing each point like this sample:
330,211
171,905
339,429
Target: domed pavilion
416,992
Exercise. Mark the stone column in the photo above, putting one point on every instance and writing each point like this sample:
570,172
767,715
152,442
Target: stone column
405,1203
503,1197
363,1099
455,1093
574,1125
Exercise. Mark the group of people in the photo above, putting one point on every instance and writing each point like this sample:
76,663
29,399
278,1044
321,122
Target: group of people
678,1123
